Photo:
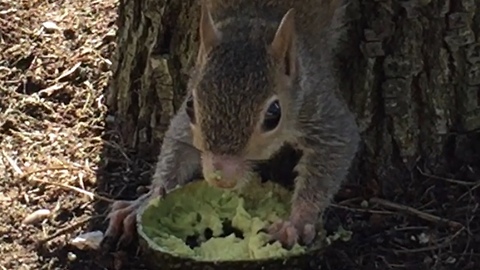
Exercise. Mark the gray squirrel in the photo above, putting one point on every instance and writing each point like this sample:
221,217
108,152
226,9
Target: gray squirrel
263,78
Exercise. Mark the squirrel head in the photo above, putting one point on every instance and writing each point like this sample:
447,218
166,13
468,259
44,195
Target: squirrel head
240,106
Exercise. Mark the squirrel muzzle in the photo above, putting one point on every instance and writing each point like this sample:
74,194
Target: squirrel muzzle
222,171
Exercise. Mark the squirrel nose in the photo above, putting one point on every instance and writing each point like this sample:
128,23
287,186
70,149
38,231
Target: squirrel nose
223,171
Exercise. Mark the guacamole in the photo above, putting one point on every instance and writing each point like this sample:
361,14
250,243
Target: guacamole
208,224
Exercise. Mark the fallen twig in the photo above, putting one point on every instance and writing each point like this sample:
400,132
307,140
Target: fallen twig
454,181
66,230
444,244
12,163
418,213
470,191
370,211
88,193
52,168
65,186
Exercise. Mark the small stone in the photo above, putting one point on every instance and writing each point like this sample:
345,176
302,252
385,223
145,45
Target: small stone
71,256
37,216
89,240
50,26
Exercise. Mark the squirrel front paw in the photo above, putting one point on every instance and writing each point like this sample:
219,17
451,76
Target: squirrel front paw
289,233
122,219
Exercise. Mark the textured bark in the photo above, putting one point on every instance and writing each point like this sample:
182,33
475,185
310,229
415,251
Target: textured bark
410,71
156,46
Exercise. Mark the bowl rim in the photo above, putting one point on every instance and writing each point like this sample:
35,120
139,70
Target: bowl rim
155,247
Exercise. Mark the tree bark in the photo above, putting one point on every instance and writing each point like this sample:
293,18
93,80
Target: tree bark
410,70
156,45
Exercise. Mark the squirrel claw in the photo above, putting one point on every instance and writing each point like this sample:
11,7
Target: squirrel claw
121,223
288,234
122,220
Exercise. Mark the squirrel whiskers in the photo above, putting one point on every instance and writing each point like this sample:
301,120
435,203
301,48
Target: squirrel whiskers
264,77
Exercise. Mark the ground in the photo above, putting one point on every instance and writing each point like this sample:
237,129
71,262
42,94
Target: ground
54,69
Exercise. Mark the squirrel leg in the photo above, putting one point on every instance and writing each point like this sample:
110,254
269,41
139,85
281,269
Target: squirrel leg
321,172
314,187
177,164
307,204
122,217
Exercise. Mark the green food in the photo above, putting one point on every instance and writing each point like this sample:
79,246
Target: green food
207,224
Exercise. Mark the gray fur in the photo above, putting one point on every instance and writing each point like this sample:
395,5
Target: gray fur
178,160
236,78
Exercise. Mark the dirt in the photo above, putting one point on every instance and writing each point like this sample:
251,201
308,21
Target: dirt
55,152
54,68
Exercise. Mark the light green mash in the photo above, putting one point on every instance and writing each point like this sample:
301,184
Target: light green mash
191,210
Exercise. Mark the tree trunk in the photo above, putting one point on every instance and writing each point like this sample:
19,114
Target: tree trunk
410,70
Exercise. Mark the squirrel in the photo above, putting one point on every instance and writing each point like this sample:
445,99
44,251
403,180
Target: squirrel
263,78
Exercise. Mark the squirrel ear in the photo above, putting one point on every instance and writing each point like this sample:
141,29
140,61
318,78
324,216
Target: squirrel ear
283,44
209,34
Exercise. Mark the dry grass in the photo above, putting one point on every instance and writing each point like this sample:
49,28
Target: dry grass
54,67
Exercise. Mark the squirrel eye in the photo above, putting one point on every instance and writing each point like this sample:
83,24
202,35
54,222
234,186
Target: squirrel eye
190,110
272,116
